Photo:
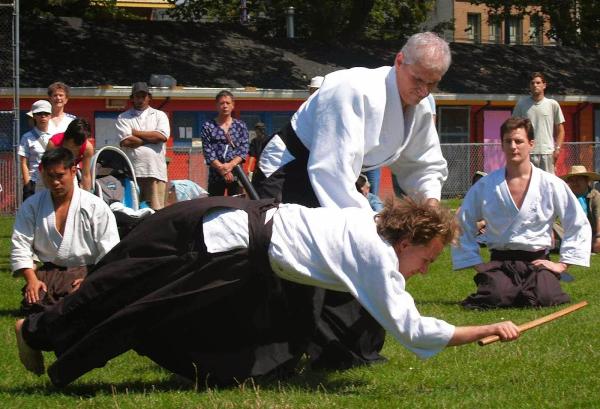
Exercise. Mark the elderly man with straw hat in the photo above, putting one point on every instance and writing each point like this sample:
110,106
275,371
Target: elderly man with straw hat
580,180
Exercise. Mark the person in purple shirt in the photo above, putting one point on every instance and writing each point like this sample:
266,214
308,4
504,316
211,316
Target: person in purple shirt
225,144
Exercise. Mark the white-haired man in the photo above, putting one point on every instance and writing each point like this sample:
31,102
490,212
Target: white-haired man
361,119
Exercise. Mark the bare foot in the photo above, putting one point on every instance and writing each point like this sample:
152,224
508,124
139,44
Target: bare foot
30,358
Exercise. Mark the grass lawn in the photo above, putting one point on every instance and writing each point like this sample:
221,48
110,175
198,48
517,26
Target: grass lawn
553,366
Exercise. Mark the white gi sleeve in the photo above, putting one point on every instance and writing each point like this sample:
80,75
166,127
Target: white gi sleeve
421,169
577,241
341,250
466,252
382,293
105,232
337,149
371,273
21,255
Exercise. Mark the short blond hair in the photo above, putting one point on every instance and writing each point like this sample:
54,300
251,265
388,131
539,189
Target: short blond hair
58,85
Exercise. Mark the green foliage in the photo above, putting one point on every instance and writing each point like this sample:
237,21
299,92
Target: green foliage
322,20
572,22
552,366
392,19
74,8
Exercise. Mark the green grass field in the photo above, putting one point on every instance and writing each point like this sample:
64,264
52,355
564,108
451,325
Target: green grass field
553,366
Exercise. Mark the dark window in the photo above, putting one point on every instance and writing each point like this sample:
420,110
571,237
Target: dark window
187,125
474,27
494,32
536,29
453,124
273,120
515,30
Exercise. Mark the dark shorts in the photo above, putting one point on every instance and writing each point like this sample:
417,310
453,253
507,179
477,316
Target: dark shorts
59,282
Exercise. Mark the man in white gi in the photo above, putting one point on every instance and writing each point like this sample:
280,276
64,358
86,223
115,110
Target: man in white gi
363,119
158,282
67,228
58,94
547,120
360,119
519,204
144,131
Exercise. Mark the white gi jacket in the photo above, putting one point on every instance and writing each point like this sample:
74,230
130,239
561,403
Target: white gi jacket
339,250
528,228
354,123
90,231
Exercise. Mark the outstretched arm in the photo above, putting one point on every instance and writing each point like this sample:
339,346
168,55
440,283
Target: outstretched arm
506,330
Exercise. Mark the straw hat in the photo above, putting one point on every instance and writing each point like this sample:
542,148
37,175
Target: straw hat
580,170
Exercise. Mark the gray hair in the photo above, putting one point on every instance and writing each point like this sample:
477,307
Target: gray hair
428,50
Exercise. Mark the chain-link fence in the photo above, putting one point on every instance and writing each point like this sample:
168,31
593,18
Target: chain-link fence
187,163
463,161
466,159
8,169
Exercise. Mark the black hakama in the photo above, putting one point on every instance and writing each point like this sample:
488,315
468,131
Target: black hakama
345,335
510,280
213,318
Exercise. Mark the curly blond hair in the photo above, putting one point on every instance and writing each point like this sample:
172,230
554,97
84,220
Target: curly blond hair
417,222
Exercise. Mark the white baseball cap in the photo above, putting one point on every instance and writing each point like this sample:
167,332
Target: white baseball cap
41,106
316,82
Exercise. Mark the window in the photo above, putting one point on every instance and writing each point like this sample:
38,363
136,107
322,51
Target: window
536,29
105,130
453,124
279,120
515,30
273,121
473,29
494,32
187,125
251,119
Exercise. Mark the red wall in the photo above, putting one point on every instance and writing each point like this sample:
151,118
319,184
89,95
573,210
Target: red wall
86,107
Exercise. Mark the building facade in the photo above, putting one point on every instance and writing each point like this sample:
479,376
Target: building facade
473,24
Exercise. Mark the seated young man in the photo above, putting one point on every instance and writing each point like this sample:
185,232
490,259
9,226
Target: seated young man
67,228
580,180
519,203
222,290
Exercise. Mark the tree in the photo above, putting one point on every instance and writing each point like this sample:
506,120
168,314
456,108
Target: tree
73,8
572,22
323,20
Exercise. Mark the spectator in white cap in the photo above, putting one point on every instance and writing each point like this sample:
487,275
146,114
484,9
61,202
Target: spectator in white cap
580,180
143,131
32,146
315,84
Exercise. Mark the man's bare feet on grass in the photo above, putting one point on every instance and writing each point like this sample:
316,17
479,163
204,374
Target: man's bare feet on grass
30,358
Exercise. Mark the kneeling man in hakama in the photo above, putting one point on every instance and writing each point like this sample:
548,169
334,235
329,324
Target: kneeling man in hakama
215,289
519,204
67,228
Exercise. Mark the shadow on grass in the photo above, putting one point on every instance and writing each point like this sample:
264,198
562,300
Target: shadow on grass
16,313
308,381
438,302
92,389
